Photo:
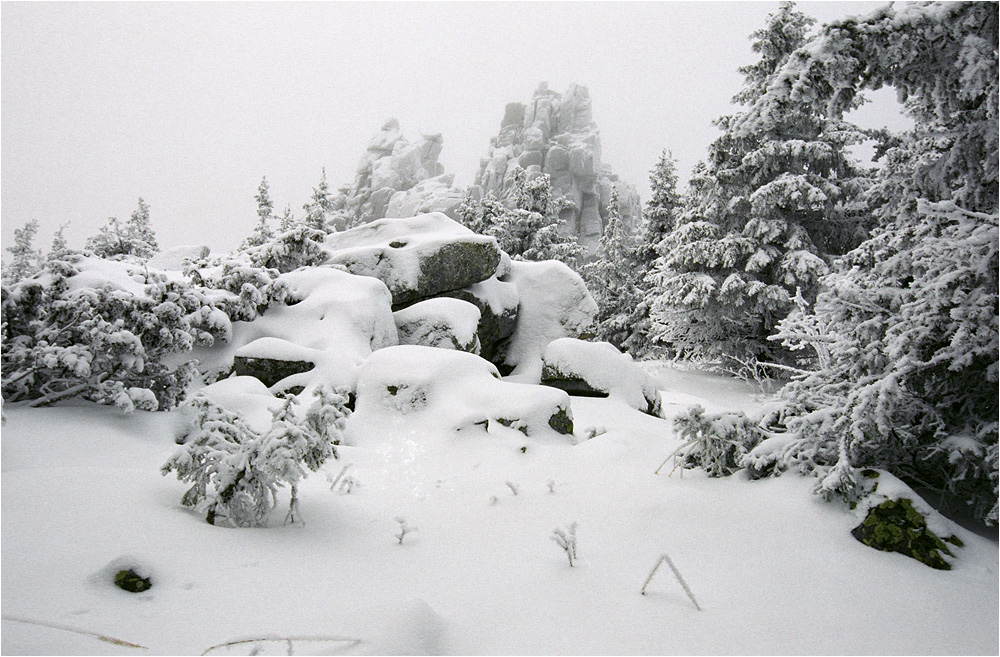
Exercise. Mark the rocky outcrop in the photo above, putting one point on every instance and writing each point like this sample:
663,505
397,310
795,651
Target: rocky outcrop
399,178
555,134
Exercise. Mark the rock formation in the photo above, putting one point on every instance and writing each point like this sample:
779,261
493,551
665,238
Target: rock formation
555,135
397,178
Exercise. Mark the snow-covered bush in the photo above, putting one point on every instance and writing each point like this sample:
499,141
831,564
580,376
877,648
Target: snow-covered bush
236,471
132,239
103,330
716,442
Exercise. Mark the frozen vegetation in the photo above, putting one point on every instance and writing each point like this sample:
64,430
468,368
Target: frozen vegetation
758,416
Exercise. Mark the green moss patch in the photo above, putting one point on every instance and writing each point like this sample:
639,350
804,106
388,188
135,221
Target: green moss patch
895,526
129,580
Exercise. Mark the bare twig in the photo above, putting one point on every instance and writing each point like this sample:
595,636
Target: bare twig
65,628
677,574
287,640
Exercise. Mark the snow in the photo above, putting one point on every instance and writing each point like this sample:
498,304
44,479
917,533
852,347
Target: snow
174,258
604,368
406,387
95,273
554,303
442,322
773,567
337,320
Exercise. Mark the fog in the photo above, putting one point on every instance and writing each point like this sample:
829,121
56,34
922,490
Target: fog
188,105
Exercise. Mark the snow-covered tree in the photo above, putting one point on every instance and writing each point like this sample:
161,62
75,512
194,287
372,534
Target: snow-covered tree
527,226
320,206
904,334
25,259
60,248
777,197
135,238
236,472
287,220
265,213
614,278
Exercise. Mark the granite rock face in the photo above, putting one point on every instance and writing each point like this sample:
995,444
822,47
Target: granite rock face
555,134
399,178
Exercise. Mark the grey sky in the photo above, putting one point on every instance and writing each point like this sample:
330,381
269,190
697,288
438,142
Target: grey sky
188,104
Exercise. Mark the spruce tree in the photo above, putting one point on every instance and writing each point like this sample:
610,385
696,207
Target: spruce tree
25,259
904,334
265,212
135,238
775,201
320,207
614,278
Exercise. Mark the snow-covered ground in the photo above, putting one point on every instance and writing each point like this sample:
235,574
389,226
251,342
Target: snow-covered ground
773,568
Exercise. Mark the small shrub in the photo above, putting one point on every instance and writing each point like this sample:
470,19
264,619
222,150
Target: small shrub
895,526
715,442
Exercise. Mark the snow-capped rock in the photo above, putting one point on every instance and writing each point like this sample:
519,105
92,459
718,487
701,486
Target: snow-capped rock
442,322
497,302
174,258
409,385
554,303
598,369
416,257
555,134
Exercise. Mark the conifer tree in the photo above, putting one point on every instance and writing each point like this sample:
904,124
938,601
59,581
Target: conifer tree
904,334
320,207
265,212
25,259
776,199
135,238
59,247
614,277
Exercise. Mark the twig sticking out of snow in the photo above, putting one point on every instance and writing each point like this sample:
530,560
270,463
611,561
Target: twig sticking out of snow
286,640
677,574
64,628
404,529
514,488
567,541
551,483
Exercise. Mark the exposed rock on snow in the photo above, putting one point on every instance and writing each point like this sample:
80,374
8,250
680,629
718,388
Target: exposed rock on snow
396,178
554,134
598,369
452,390
443,322
416,257
271,359
554,303
172,259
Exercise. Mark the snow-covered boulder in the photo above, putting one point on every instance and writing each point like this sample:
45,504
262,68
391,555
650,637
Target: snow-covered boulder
174,258
598,369
554,303
271,360
399,387
416,257
497,302
443,322
334,320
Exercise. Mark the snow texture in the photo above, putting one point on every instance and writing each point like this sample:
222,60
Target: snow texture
174,258
400,388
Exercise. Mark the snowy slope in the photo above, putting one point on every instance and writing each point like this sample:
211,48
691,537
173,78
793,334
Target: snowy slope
773,568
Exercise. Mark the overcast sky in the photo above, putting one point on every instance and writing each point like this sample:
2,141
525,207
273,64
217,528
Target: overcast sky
188,105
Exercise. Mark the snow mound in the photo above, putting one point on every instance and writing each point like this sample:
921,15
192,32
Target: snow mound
335,321
416,257
554,303
400,388
174,258
445,323
245,396
591,368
